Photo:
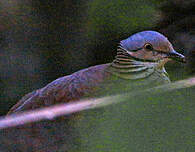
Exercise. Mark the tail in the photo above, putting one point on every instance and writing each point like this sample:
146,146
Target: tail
21,102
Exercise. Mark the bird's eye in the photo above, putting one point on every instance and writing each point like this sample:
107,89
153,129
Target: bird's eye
148,46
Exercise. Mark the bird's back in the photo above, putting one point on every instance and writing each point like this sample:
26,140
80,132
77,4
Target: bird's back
91,82
65,89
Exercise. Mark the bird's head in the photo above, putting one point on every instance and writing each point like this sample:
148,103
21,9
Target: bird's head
150,46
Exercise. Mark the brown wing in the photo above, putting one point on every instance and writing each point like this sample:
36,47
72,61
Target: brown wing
64,89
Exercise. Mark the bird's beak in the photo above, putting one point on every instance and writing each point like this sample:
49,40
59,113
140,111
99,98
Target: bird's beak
176,56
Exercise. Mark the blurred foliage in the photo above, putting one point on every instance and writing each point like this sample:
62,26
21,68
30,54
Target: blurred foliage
120,17
161,122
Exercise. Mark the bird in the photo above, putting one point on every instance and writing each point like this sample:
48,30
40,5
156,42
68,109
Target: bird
139,61
138,64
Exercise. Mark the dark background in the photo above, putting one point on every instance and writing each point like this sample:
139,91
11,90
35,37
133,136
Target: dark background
43,40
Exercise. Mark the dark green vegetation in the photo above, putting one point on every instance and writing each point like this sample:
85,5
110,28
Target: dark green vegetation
161,122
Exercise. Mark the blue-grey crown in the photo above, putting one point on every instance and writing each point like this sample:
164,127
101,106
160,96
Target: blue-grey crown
138,40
